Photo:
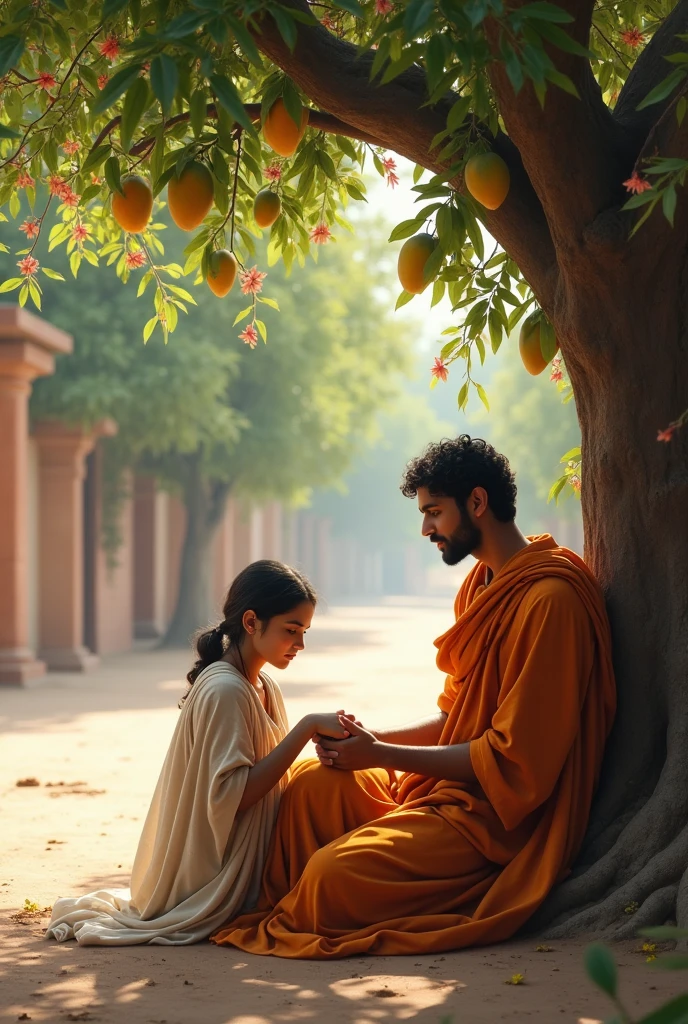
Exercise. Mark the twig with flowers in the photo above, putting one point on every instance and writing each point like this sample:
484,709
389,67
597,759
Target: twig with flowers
667,434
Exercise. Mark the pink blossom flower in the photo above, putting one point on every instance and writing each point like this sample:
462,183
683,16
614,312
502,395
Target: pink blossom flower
135,259
95,180
320,234
251,281
556,374
636,184
666,434
31,227
383,6
109,48
273,172
46,81
69,198
390,166
249,336
575,481
327,22
71,146
632,37
103,81
24,180
28,266
80,233
440,369
56,185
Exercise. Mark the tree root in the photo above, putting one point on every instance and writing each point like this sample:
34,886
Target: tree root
653,890
650,833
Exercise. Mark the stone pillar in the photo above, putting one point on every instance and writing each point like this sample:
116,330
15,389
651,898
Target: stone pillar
272,531
150,557
323,578
62,452
223,558
27,349
242,537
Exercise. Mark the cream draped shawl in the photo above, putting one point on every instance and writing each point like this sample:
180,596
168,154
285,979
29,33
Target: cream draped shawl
199,861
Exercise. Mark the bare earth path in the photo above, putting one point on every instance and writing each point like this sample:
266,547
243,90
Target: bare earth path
95,744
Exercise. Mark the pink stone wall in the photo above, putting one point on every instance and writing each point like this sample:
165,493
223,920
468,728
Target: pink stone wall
115,592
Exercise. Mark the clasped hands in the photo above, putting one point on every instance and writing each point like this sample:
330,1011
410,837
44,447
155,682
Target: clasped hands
358,749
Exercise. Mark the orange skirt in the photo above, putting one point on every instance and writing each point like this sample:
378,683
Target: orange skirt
350,871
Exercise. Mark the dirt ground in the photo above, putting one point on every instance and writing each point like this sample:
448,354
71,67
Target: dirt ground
95,744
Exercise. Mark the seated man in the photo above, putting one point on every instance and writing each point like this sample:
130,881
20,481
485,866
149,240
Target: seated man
493,793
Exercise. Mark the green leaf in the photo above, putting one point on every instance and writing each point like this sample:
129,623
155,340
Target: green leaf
11,284
75,262
164,77
563,41
8,133
548,341
11,50
556,489
35,293
601,967
482,396
112,7
669,203
352,6
574,453
403,299
671,962
285,24
269,302
458,112
406,228
262,330
563,81
112,175
118,84
149,328
462,397
673,1012
184,24
95,158
135,103
664,932
53,274
197,111
292,101
230,99
242,314
664,89
544,12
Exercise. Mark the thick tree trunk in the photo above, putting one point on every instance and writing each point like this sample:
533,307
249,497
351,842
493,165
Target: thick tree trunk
619,312
205,504
626,352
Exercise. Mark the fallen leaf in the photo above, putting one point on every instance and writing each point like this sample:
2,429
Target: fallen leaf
27,782
382,993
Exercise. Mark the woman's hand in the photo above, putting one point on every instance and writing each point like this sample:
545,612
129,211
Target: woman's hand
361,750
325,727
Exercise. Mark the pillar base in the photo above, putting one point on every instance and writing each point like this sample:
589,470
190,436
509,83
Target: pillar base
18,665
147,630
69,659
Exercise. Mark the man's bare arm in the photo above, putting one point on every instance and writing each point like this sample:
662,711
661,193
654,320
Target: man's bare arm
424,733
364,750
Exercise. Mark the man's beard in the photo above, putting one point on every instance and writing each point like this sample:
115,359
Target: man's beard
465,539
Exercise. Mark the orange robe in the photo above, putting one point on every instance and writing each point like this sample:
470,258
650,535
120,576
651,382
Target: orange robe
363,863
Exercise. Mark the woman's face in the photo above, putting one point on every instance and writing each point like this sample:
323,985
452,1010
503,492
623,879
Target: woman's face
283,637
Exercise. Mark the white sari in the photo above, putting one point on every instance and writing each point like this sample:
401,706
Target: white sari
199,862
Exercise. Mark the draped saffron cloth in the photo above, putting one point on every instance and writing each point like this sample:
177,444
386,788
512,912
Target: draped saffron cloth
361,863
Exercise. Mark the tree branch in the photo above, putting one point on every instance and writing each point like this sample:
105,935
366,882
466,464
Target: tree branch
317,119
333,74
648,71
567,146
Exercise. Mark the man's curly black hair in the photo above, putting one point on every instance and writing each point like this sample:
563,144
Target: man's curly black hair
453,467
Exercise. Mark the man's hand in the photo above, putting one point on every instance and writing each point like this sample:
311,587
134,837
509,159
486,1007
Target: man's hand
359,751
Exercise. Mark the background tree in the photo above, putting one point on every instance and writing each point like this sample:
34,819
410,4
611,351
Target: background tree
584,104
208,423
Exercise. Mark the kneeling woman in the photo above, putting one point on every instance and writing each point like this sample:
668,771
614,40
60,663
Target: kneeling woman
200,857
